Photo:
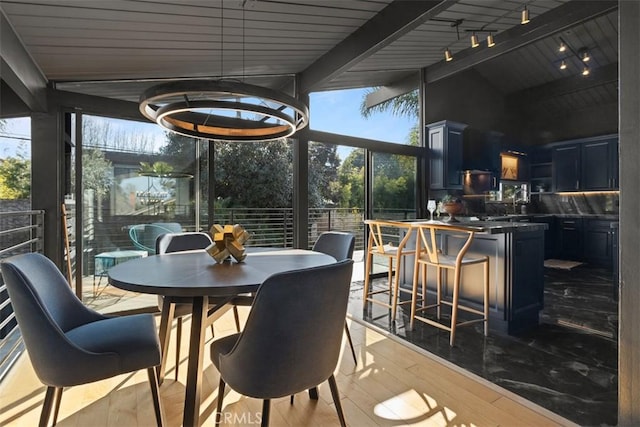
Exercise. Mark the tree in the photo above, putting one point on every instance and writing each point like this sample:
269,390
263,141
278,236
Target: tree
15,178
403,105
254,174
323,173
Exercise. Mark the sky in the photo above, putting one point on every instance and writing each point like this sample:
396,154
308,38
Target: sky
333,111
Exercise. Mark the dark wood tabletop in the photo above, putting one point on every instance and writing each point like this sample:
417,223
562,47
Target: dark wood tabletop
195,273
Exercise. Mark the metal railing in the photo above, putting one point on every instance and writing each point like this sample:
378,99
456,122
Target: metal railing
20,232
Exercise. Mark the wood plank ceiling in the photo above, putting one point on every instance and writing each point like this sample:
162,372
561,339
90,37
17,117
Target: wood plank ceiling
117,48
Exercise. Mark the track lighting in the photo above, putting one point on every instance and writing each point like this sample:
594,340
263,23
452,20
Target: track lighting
474,40
490,41
447,55
585,71
584,54
562,47
563,65
525,16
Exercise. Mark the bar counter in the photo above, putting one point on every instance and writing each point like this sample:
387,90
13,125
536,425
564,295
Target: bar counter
516,271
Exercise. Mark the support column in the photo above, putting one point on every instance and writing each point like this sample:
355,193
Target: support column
629,128
47,182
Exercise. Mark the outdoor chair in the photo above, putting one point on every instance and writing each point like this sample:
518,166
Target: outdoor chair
340,246
69,344
144,236
295,350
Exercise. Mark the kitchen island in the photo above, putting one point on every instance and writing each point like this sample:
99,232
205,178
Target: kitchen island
516,271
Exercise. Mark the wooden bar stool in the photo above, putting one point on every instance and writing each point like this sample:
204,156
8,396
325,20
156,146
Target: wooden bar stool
429,254
375,246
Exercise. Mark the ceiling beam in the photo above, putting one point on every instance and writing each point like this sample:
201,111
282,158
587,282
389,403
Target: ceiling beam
388,25
393,90
545,25
566,85
18,69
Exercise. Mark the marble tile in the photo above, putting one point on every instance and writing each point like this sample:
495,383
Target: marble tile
567,365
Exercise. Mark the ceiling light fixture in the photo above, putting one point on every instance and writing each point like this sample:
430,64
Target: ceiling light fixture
474,40
490,41
448,56
224,109
583,53
562,47
525,16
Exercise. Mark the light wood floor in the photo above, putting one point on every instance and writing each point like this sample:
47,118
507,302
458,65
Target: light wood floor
393,385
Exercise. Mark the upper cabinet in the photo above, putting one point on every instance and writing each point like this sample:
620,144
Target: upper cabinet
600,164
586,165
445,142
566,168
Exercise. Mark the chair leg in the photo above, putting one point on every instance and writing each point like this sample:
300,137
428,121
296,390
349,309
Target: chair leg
414,291
396,286
236,316
266,405
178,342
313,393
291,399
438,291
155,394
220,397
50,398
353,350
454,306
336,400
166,318
56,404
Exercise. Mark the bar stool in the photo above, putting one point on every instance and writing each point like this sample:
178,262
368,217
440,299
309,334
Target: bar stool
394,254
429,254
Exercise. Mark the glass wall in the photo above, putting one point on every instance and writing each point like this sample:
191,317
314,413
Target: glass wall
343,112
253,187
336,190
137,182
394,186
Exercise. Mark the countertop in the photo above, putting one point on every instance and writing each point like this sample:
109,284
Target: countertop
491,227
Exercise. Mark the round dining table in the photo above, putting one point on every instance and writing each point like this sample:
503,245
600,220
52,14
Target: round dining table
194,276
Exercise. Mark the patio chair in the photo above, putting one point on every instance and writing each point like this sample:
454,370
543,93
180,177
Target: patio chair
143,236
69,344
295,350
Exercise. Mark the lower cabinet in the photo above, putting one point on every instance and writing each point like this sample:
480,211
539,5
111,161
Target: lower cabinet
598,242
588,240
570,239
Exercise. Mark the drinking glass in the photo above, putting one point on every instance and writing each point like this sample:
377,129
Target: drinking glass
431,206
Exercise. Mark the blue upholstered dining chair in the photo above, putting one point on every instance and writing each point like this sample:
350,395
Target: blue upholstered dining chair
69,344
339,245
178,242
291,341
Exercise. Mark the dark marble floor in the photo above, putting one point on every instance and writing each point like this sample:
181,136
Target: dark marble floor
567,365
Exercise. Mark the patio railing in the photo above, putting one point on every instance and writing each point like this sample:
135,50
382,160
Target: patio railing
20,232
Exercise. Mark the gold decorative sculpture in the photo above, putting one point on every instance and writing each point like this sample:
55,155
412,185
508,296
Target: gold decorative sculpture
228,241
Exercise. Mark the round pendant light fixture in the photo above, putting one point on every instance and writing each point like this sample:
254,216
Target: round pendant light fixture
225,110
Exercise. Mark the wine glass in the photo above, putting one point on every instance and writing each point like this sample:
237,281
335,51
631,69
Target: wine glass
431,206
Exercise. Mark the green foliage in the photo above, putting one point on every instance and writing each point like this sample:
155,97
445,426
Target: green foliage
15,178
407,104
96,172
254,174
